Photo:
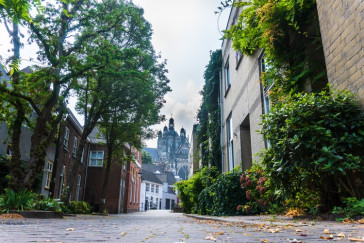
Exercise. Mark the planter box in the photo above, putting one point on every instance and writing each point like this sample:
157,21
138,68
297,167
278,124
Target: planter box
39,214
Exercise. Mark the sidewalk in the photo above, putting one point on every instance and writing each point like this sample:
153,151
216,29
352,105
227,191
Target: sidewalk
301,230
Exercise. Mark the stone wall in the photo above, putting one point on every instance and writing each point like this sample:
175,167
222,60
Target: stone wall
342,30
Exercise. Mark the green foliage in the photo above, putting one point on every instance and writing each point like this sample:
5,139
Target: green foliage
21,200
47,204
316,143
288,32
189,190
207,192
146,158
78,207
208,135
226,194
353,207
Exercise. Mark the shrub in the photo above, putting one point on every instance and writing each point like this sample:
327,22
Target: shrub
189,190
47,204
354,207
21,200
4,173
225,193
258,191
79,207
316,146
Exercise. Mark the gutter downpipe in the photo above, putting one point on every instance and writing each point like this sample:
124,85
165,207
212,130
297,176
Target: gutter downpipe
86,170
221,122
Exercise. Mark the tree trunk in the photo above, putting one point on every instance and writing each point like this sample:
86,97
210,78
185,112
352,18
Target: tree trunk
16,171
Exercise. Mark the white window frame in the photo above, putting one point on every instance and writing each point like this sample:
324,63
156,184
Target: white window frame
230,141
83,150
66,138
147,187
48,174
156,189
74,148
152,188
78,187
96,161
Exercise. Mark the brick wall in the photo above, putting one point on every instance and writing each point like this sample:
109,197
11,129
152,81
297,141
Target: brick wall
342,30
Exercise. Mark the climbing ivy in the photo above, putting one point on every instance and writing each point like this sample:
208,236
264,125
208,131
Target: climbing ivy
288,32
208,136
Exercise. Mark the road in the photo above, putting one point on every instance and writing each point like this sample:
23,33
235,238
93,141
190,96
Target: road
164,226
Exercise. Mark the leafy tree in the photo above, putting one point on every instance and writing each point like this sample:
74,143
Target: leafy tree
147,158
127,91
208,137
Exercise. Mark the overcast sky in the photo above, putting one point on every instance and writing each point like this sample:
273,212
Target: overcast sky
185,31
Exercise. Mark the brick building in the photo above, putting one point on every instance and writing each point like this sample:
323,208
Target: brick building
342,32
59,170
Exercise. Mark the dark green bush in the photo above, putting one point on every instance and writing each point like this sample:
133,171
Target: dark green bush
79,207
226,194
316,146
207,192
189,190
4,173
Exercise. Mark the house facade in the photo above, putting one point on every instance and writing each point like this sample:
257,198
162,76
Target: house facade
243,100
342,32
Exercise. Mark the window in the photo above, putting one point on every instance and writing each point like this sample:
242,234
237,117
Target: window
131,191
66,138
83,150
74,149
48,174
147,185
230,136
61,179
238,56
9,151
97,158
264,67
156,189
227,75
78,187
135,190
152,187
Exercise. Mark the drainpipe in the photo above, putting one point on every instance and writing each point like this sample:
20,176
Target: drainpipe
86,170
221,122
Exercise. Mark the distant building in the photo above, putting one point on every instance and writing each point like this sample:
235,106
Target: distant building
173,149
157,189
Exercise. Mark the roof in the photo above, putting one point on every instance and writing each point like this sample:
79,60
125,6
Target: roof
96,137
150,176
167,177
153,168
153,152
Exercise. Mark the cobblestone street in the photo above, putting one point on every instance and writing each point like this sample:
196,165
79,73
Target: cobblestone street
163,226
